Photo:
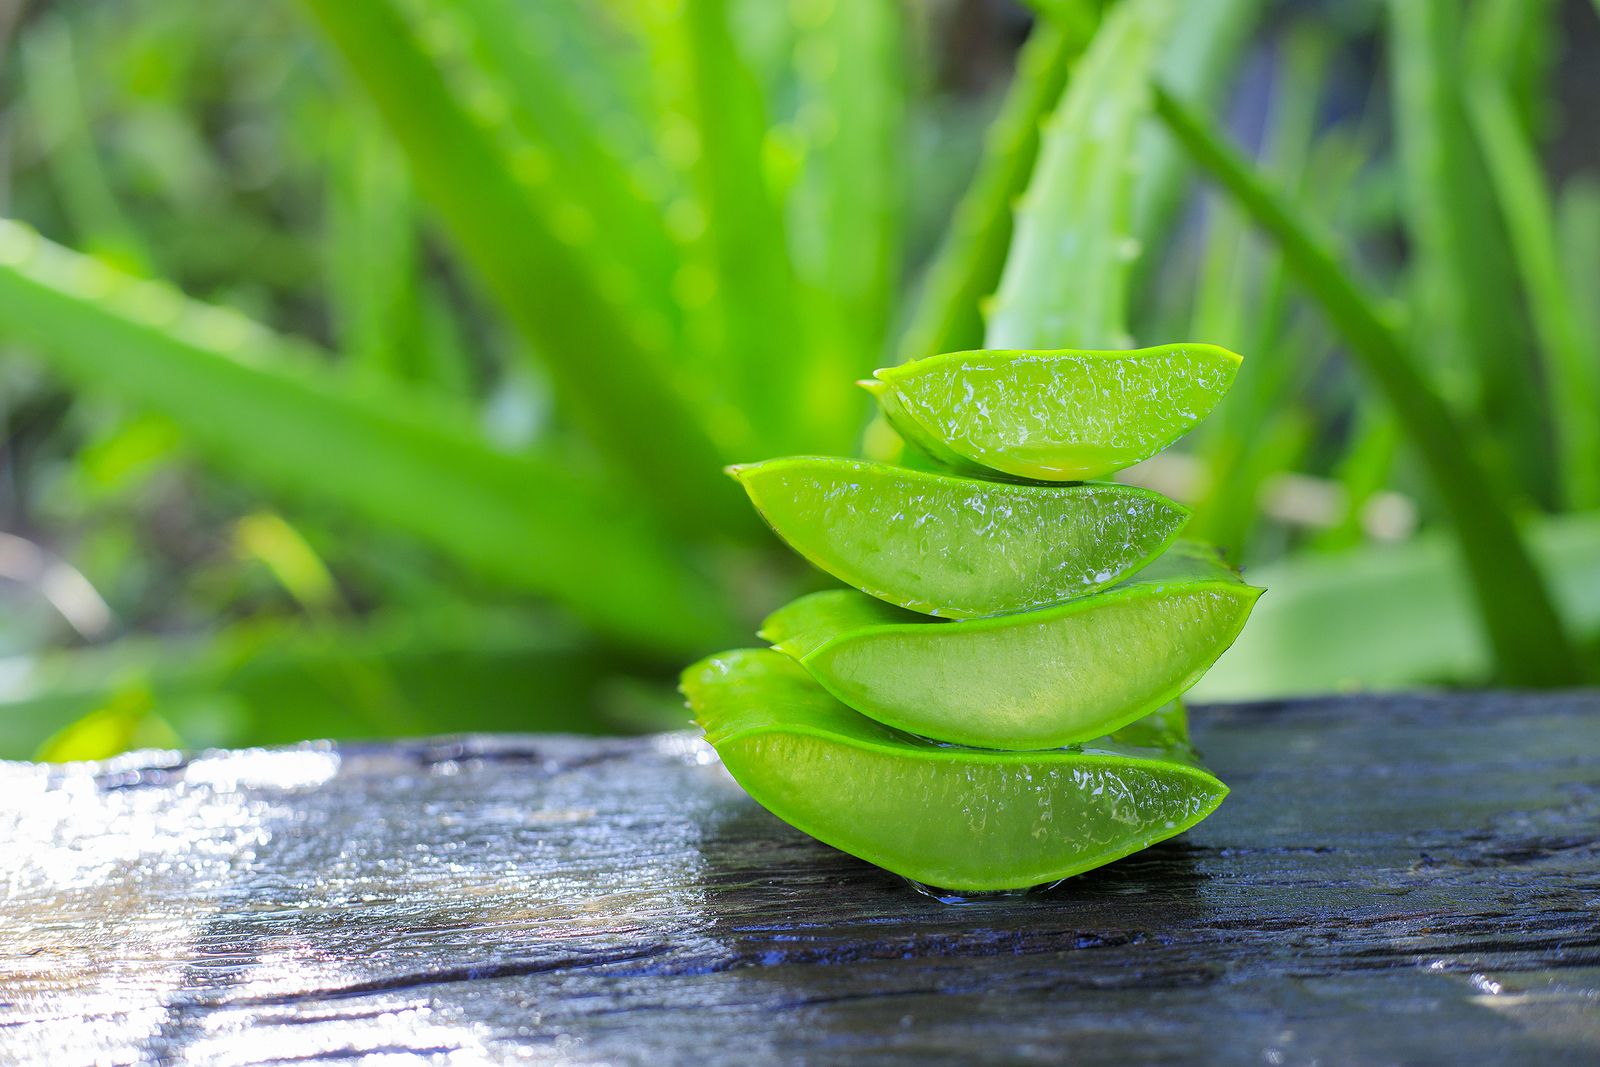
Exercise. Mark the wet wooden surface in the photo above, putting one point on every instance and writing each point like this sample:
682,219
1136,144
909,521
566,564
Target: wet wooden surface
1410,880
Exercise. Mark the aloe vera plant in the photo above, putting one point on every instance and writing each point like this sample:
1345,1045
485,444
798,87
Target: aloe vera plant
1068,265
564,261
968,265
263,405
1515,609
1037,679
956,818
959,547
1053,415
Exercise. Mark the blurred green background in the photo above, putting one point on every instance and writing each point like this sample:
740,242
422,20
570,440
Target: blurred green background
385,386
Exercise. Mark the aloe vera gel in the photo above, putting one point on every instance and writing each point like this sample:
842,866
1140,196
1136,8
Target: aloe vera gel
1039,679
993,705
958,547
1053,415
962,818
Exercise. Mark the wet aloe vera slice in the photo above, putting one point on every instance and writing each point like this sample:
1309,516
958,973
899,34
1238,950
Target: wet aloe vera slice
957,547
1053,416
962,819
1036,680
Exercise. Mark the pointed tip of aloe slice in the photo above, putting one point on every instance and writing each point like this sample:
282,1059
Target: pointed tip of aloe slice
1226,353
874,386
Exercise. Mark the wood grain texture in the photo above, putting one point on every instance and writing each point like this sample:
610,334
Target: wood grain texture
1394,880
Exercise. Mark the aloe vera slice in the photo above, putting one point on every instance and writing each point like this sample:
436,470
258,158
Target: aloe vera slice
1036,680
962,819
1053,416
957,547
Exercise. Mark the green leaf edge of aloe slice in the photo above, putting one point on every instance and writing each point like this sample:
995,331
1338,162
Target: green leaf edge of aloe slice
1145,584
837,724
853,576
884,387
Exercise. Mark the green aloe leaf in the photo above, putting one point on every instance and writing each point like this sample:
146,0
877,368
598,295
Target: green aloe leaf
955,818
1165,728
1242,300
1387,617
1463,274
1578,227
1511,43
851,113
1066,275
539,251
1053,415
375,259
958,547
1531,646
966,269
738,284
1572,366
1035,680
1204,50
64,124
537,56
252,403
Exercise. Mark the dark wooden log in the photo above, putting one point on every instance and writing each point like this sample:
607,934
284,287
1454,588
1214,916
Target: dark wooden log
1394,880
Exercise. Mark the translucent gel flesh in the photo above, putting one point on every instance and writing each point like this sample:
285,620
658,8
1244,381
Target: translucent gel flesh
1028,681
961,819
1036,684
1055,416
976,823
958,547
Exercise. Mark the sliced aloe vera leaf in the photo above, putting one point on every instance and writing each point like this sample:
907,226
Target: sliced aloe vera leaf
1166,727
961,819
1036,680
1054,416
957,547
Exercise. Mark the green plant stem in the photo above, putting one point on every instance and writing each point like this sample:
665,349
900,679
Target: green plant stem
1242,302
1572,370
374,252
1199,60
1461,277
1508,42
1578,225
1531,646
1363,471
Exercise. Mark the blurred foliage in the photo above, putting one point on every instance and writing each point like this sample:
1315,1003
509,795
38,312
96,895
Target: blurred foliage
387,381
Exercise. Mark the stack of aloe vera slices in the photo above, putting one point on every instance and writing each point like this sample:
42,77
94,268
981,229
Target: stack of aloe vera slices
994,705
